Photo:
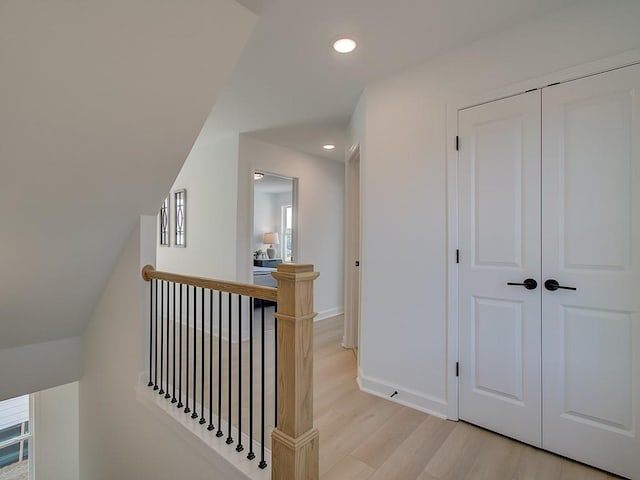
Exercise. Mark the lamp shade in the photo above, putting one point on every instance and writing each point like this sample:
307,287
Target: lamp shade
271,238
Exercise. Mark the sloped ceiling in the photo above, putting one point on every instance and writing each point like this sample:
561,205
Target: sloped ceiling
100,102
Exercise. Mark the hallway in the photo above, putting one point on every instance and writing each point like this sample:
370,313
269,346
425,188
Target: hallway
367,437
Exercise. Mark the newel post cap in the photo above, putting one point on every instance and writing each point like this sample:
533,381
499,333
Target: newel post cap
147,270
296,272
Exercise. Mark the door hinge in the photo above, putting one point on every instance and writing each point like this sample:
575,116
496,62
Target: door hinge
457,369
457,256
457,143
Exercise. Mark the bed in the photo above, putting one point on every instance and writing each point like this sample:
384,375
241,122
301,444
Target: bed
262,276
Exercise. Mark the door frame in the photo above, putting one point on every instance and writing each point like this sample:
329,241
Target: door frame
453,107
294,201
353,249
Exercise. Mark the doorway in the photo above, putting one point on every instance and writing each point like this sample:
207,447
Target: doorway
274,233
353,251
549,206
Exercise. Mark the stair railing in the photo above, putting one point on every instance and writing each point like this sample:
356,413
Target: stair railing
209,355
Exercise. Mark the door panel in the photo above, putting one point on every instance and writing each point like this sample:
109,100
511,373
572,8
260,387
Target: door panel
591,241
497,191
596,170
498,353
597,361
500,324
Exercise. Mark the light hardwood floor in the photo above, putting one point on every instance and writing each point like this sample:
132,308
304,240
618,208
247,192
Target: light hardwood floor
366,437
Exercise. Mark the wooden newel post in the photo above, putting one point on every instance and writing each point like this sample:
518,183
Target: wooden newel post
295,443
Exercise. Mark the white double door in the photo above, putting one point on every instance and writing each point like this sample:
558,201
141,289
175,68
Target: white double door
549,187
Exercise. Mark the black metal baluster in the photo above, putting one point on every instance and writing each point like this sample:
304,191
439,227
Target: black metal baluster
229,437
202,417
263,463
210,427
186,358
239,447
161,392
219,432
150,384
180,404
275,364
195,351
166,385
173,355
251,455
155,344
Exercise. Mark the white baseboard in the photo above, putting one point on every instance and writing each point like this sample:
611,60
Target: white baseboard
330,313
409,398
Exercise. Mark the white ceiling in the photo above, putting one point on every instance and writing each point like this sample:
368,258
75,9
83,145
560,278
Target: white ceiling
291,89
99,105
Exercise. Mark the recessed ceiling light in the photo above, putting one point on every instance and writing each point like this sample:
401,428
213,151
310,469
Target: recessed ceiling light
329,146
345,45
258,175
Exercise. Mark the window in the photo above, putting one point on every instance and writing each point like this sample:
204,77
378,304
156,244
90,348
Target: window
164,223
287,229
180,216
15,438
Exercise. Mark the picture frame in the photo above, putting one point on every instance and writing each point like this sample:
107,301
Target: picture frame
180,218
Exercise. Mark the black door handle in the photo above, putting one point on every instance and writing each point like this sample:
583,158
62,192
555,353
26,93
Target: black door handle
529,284
553,285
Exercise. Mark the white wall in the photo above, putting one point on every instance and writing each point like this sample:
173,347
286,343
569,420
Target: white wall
404,175
220,234
56,433
264,218
210,177
48,364
320,214
119,437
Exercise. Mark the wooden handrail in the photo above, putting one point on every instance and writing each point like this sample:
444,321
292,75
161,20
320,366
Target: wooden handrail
248,290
